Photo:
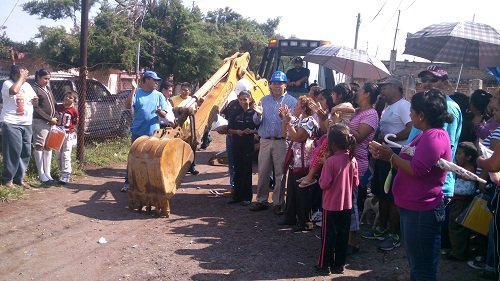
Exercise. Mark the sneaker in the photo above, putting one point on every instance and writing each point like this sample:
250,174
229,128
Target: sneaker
125,188
63,179
390,243
316,216
377,234
318,224
477,263
9,184
259,207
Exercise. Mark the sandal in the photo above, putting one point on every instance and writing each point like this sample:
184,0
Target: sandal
306,184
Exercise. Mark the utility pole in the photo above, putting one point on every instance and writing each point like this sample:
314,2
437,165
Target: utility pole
82,95
392,64
358,23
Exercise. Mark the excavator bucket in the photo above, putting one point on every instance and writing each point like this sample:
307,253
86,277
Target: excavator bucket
156,166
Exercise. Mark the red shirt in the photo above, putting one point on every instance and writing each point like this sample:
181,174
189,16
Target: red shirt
67,117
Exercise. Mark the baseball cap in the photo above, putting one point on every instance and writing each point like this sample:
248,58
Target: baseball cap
242,85
393,81
435,70
298,60
151,74
279,76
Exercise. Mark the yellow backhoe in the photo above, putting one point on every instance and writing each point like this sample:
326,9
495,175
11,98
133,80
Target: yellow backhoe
157,164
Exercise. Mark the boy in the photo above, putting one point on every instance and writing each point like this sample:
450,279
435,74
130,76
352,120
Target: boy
67,118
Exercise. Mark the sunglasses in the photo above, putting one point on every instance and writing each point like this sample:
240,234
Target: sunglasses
429,79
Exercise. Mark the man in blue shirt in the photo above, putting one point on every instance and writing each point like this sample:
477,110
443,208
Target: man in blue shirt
437,77
149,105
272,144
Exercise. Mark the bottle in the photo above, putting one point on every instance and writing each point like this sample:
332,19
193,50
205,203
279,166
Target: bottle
19,104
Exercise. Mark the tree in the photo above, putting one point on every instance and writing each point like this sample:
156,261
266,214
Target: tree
55,9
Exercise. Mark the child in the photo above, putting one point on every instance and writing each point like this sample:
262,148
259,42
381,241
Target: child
67,118
338,178
341,113
465,157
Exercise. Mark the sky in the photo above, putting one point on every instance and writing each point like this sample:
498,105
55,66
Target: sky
331,20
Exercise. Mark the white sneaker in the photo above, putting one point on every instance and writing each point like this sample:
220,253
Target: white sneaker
318,224
124,188
63,179
316,216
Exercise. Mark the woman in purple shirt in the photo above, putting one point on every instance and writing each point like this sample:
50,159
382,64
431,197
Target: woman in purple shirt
417,187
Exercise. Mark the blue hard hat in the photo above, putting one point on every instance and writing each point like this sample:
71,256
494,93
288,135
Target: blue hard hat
279,76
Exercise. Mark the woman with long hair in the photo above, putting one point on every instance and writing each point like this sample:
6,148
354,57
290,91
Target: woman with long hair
44,116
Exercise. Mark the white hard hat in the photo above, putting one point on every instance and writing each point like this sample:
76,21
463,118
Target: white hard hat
242,85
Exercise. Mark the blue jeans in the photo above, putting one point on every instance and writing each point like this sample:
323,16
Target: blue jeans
16,149
421,233
230,159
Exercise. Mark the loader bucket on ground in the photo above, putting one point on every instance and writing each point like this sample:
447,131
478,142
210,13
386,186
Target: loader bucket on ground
156,166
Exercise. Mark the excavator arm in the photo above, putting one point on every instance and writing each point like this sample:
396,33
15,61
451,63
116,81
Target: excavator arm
216,90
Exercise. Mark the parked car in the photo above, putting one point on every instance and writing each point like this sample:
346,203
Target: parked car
106,115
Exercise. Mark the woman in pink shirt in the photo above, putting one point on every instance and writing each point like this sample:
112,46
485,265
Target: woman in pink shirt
417,187
339,177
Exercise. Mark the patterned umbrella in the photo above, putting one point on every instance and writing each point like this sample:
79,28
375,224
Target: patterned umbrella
352,62
467,43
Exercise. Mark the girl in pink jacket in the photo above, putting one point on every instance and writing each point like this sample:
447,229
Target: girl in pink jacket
338,178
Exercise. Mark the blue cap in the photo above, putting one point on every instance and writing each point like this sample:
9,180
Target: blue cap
151,74
279,76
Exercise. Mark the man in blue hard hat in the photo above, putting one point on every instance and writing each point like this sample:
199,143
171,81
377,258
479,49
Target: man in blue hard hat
272,145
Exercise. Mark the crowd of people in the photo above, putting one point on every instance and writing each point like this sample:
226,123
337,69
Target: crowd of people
29,115
322,152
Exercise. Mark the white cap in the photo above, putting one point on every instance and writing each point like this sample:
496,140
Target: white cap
243,85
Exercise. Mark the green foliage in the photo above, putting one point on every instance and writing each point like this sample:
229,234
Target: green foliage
55,9
173,38
58,47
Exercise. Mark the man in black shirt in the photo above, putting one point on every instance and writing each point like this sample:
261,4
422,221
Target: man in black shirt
297,77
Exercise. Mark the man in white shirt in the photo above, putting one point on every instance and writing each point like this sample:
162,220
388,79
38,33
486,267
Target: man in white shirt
396,120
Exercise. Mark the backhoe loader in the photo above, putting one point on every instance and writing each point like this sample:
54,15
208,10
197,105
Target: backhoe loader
157,164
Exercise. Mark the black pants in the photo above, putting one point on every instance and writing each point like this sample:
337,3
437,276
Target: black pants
335,236
242,153
298,201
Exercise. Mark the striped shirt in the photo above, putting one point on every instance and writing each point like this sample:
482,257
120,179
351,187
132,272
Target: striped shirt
370,118
495,135
269,121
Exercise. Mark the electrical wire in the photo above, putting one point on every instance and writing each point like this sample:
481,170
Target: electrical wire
11,11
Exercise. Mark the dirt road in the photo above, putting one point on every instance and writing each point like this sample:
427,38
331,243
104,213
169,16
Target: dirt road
53,234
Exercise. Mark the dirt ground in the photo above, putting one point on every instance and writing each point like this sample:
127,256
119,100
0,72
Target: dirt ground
53,234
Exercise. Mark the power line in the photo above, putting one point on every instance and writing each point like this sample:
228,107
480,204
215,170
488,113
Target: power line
11,11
